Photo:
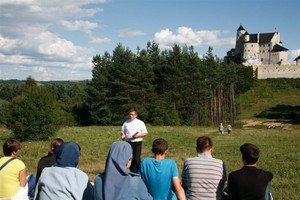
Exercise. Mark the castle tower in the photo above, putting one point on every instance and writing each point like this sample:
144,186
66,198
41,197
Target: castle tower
240,32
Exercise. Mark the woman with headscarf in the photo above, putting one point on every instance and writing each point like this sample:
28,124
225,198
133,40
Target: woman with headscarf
117,182
64,180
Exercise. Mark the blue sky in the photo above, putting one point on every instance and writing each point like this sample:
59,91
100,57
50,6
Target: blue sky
56,39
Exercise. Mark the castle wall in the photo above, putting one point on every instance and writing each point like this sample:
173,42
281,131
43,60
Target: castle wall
277,71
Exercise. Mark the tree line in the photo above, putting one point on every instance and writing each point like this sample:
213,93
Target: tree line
169,87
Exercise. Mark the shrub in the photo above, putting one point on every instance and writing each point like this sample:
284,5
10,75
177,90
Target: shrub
33,116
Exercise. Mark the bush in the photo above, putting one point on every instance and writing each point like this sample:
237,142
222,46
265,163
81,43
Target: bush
33,116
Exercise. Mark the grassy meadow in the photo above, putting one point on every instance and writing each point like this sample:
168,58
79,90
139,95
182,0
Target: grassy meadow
279,147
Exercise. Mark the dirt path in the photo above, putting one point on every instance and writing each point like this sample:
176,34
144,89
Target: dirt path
266,123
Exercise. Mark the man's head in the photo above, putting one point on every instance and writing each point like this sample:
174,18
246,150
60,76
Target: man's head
159,146
132,114
54,144
250,153
11,146
204,144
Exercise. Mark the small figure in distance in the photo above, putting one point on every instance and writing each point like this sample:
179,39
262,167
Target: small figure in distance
229,129
133,131
117,182
249,182
221,128
48,160
161,174
64,180
13,184
203,177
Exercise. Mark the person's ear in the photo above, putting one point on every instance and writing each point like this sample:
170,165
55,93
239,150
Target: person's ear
14,153
167,151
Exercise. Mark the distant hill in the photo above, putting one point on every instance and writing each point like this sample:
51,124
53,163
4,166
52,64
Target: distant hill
273,99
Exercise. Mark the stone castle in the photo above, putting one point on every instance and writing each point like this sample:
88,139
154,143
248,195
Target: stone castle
265,53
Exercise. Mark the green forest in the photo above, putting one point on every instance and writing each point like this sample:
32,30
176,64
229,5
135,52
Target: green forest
170,87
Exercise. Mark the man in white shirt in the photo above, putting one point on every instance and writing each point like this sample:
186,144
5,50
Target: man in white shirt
133,131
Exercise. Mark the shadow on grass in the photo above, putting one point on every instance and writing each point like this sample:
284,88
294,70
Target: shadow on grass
286,113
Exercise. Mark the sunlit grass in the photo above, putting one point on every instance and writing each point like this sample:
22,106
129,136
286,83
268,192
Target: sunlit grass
280,152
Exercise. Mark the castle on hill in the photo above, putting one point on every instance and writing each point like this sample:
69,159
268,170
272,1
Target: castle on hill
265,53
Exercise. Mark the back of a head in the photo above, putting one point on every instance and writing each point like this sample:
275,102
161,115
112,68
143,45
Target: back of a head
68,154
10,146
204,143
55,143
159,146
120,152
250,153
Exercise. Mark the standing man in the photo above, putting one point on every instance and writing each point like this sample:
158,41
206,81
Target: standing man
203,177
133,131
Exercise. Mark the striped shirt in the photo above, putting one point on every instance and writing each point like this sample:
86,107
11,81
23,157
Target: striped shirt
204,177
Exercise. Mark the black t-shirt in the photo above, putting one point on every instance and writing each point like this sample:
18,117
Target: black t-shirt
248,183
46,161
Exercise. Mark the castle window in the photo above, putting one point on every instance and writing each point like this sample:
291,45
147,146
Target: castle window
259,51
251,45
263,51
268,44
248,50
261,59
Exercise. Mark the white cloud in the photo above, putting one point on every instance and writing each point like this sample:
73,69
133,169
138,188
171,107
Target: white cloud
186,36
130,33
292,54
31,41
79,25
100,40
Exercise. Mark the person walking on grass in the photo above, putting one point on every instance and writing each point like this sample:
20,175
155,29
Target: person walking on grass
221,129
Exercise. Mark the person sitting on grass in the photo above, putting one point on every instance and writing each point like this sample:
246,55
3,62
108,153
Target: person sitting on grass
161,174
13,183
117,182
64,180
249,182
48,160
203,176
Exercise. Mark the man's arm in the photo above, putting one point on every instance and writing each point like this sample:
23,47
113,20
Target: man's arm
178,189
122,135
140,135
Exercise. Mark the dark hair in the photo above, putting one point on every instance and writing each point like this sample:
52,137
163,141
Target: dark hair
54,144
159,146
10,146
204,143
133,110
250,153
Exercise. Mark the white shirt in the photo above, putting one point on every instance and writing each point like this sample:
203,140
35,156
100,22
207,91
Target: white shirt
130,127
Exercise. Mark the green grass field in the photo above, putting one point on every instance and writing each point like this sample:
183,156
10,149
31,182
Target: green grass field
279,147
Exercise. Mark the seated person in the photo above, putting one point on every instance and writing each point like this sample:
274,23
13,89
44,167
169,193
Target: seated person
117,182
13,182
204,176
48,160
64,180
249,182
160,174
